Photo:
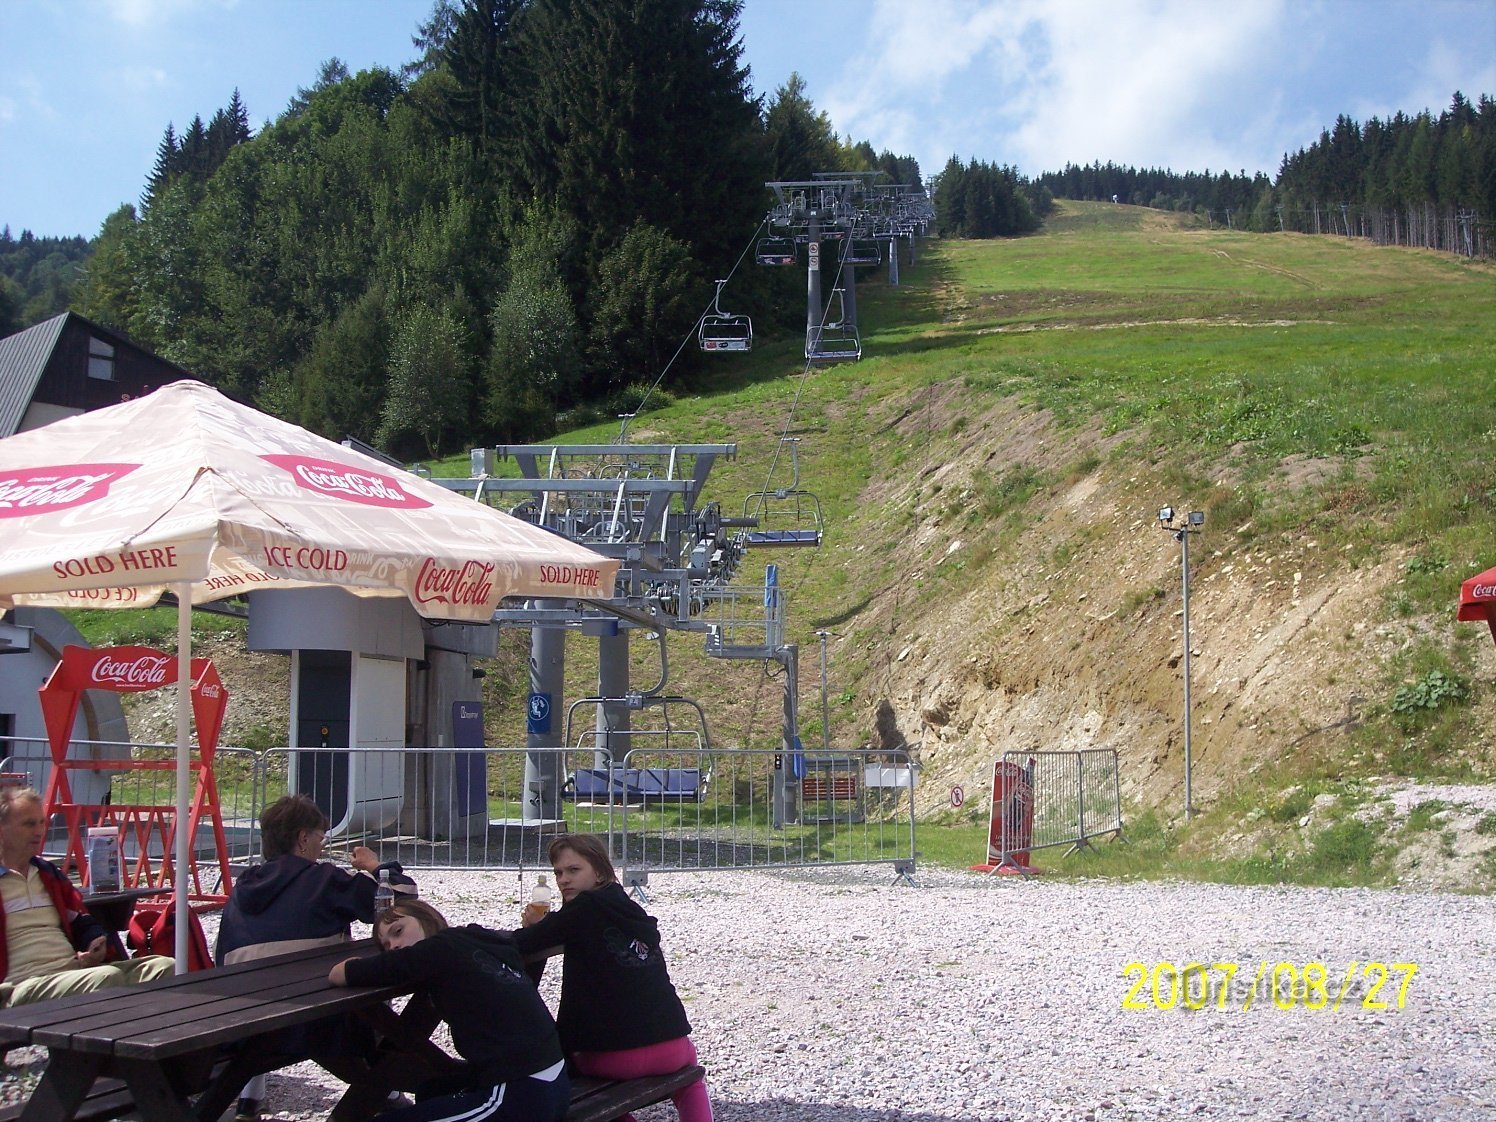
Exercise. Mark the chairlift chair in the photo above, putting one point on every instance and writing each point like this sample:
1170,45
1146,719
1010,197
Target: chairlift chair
863,251
824,345
775,251
785,516
722,331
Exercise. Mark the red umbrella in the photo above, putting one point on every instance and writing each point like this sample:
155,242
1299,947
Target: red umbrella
1478,599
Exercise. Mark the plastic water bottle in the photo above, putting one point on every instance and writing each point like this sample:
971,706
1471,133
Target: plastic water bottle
384,894
540,899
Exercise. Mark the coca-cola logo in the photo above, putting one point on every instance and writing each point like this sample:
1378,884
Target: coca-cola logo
145,671
469,584
43,490
342,481
1484,591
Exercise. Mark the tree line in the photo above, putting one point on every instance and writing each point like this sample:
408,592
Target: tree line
1423,180
982,200
37,277
525,222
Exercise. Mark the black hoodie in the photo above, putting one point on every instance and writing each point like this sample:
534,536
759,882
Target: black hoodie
291,898
476,980
615,990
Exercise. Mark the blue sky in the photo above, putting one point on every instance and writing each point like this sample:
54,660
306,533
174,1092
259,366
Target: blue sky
89,85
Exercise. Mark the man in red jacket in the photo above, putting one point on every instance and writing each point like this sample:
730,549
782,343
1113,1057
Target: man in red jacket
49,945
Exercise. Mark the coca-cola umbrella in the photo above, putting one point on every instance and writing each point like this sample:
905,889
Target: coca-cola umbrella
184,490
1478,599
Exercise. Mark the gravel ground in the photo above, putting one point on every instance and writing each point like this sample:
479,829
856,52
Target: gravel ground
836,995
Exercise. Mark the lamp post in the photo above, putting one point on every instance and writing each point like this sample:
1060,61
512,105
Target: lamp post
1189,524
825,703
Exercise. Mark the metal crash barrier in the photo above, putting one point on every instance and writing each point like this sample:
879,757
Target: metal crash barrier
1055,799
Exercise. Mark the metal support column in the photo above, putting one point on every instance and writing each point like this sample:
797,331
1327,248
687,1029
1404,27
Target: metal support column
786,786
545,770
848,281
612,681
813,310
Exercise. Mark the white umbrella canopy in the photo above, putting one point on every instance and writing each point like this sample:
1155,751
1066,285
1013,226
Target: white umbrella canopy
113,507
187,491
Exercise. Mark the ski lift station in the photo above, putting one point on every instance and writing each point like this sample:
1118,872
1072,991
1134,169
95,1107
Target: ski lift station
370,674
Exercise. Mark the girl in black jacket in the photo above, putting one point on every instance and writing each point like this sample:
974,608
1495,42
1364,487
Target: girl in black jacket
619,1015
500,1026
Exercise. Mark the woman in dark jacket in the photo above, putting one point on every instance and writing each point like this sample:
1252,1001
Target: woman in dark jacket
514,1071
619,1015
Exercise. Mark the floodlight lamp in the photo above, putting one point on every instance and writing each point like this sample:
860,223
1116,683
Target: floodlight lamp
1197,518
1165,515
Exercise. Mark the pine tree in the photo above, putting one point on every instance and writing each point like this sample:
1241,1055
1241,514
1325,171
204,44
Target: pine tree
168,159
801,141
432,38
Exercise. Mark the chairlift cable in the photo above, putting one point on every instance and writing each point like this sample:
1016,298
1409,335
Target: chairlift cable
804,376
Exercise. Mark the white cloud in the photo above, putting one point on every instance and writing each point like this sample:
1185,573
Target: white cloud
1146,83
1441,71
142,14
1037,84
140,79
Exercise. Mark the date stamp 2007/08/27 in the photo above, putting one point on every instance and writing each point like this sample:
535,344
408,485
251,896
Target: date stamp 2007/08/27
1276,985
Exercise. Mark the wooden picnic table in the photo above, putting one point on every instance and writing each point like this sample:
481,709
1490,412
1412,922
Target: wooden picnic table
184,1046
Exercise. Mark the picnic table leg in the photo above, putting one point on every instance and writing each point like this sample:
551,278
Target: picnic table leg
407,1057
224,1088
63,1086
155,1096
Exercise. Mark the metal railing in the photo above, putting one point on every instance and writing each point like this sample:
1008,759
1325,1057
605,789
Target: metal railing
662,809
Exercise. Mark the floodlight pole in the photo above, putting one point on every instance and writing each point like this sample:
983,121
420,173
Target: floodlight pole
1182,531
825,704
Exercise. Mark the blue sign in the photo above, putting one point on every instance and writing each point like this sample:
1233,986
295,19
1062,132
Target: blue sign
469,769
540,712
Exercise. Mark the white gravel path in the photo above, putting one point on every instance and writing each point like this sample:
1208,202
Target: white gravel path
835,995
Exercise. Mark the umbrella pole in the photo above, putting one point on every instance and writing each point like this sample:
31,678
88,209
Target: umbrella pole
184,752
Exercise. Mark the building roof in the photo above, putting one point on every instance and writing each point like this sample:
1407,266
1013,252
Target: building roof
23,358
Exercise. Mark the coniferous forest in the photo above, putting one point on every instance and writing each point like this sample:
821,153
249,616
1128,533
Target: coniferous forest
1423,181
526,221
518,230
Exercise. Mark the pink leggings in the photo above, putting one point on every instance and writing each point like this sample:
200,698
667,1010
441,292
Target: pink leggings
653,1059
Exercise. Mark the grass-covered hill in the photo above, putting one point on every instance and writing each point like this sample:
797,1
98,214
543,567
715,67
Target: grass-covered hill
993,576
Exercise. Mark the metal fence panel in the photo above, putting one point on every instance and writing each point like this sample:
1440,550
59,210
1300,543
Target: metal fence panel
1075,796
663,809
841,808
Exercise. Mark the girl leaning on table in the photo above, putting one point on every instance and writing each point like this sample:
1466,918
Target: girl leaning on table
619,1015
514,1071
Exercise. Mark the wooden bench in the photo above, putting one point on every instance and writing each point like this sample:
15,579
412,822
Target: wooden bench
168,1040
107,1098
602,1100
592,1100
816,788
179,1049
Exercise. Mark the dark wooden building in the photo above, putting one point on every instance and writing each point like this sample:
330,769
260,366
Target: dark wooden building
67,365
